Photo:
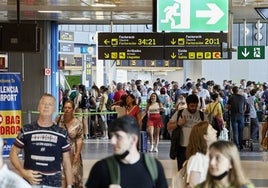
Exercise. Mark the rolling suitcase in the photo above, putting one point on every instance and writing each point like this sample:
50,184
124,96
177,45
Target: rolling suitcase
247,141
246,137
143,143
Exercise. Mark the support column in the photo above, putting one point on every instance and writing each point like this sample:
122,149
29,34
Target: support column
54,62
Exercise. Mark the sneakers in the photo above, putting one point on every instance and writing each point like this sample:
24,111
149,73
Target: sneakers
94,136
151,148
104,138
86,136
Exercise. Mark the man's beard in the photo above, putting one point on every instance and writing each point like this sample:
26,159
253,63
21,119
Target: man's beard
192,111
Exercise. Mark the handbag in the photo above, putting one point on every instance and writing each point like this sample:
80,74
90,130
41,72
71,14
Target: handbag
215,121
180,178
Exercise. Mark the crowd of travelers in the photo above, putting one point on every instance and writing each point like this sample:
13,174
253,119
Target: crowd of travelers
171,96
199,109
53,158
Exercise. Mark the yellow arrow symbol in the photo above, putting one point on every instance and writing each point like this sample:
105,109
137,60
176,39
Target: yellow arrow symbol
106,42
173,41
173,55
106,55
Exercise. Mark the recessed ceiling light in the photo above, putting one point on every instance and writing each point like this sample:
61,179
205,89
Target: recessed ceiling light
82,18
49,11
102,5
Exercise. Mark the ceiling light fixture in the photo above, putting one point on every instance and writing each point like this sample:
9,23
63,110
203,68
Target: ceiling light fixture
82,18
49,11
102,5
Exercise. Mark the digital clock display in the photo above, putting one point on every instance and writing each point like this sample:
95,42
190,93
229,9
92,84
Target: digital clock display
146,42
194,39
212,41
130,39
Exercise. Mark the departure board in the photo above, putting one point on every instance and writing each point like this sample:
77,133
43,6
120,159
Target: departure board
159,46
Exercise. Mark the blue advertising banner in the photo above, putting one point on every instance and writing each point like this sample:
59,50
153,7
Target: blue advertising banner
10,108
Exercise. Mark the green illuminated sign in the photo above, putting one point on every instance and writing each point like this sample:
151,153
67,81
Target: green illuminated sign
192,15
251,52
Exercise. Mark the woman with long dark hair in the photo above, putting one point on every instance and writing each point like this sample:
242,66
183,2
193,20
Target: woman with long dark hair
154,108
74,128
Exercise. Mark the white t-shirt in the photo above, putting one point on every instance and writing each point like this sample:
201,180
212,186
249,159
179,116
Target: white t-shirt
204,93
198,163
191,120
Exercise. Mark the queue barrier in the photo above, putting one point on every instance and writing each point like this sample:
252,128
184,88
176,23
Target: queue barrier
31,113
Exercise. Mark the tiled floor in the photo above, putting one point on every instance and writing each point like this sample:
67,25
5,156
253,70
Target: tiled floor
253,163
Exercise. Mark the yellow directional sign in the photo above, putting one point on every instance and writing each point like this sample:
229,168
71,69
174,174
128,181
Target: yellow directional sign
131,46
159,46
194,45
107,55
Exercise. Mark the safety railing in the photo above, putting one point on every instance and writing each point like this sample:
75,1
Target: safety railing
33,115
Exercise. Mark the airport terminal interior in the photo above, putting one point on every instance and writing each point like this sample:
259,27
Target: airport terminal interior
75,23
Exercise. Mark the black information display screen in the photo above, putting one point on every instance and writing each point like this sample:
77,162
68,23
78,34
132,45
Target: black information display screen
154,46
131,46
194,45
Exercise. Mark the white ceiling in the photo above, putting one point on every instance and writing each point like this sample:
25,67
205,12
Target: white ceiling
126,11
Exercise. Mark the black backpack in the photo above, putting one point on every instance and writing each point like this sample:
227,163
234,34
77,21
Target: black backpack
109,103
84,103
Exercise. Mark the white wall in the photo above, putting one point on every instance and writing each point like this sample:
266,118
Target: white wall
233,69
148,75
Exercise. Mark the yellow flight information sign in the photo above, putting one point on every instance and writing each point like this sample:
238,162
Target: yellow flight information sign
130,46
194,45
159,46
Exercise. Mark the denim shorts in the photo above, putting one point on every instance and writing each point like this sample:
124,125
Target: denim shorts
50,181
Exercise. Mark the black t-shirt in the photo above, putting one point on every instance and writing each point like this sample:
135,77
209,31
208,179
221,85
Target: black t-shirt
237,103
132,175
43,147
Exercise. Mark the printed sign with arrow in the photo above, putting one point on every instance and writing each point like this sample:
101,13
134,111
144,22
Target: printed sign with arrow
192,15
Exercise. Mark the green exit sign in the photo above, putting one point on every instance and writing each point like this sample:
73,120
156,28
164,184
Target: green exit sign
192,15
251,52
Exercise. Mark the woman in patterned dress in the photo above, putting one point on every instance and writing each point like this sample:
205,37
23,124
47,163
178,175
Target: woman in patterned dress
74,129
